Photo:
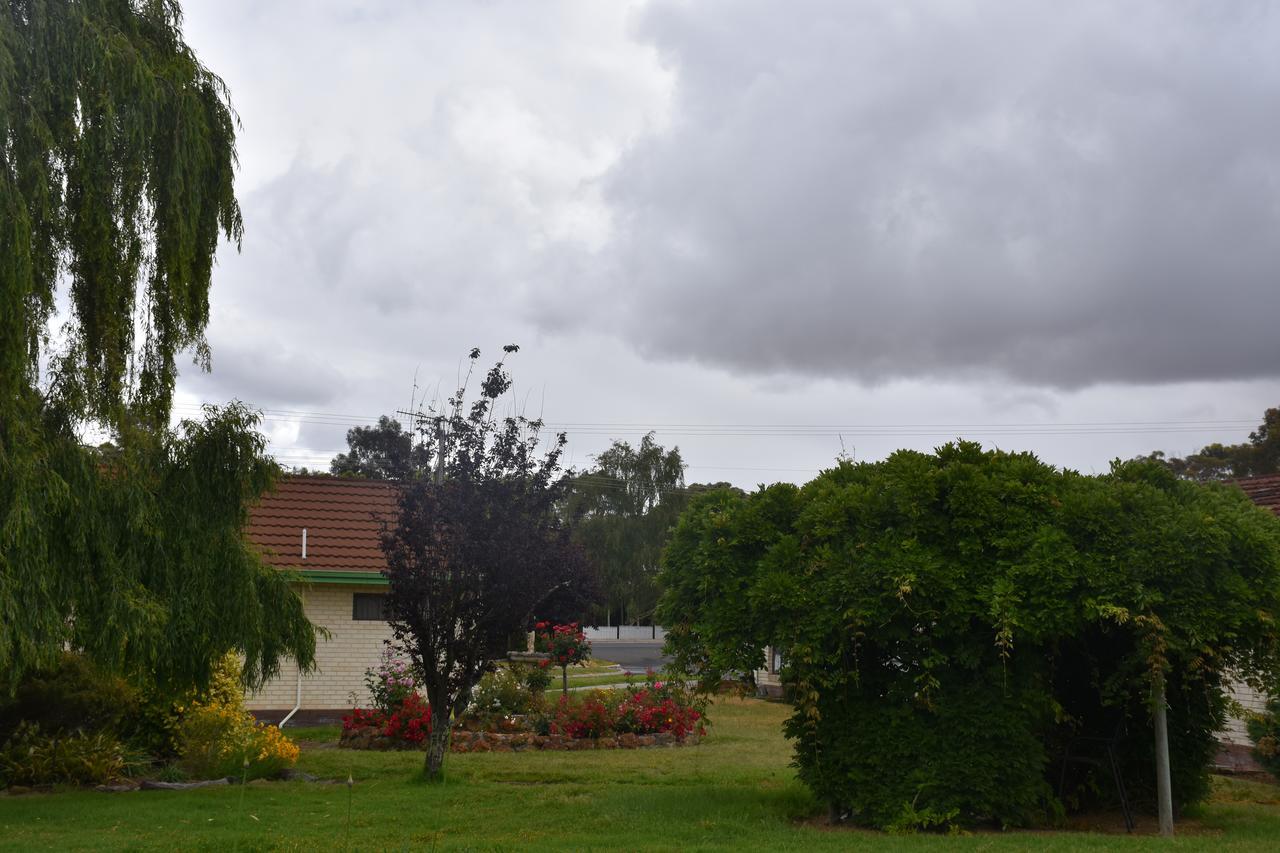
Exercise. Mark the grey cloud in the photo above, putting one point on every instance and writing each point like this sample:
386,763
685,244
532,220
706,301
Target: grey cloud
1046,193
267,374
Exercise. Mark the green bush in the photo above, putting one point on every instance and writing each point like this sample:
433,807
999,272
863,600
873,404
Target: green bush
33,757
220,740
71,696
162,712
535,678
1264,731
951,621
501,693
973,757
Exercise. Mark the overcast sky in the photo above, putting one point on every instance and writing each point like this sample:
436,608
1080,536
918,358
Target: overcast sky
1046,226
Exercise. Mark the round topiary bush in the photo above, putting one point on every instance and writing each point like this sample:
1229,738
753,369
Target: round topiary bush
952,621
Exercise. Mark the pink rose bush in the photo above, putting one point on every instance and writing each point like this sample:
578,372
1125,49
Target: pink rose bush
398,711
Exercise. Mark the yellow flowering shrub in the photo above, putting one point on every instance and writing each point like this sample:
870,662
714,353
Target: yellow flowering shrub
213,735
165,713
221,740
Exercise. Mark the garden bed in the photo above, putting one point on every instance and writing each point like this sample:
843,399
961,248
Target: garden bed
468,741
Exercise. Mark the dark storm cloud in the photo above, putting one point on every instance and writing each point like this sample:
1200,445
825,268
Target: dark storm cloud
1057,194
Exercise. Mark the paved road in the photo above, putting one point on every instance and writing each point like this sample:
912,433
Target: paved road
635,655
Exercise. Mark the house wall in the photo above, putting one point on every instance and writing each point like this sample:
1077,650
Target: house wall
768,679
1253,701
341,661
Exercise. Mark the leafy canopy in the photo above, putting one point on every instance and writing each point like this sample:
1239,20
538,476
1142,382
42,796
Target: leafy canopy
1255,457
118,169
384,451
951,620
480,544
117,160
627,504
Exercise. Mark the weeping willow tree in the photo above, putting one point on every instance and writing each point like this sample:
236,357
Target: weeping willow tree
117,161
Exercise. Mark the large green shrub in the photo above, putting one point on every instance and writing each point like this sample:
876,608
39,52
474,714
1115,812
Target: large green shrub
72,695
952,620
30,756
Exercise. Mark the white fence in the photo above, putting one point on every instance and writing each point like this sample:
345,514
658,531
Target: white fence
626,632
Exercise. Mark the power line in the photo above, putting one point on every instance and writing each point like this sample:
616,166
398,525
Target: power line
748,430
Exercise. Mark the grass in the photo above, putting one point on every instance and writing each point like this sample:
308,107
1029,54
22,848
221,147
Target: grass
616,680
734,791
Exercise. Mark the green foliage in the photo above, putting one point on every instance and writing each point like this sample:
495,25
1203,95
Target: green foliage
389,683
626,506
116,184
384,451
501,693
72,695
535,678
952,620
213,735
118,169
1259,455
160,721
1264,731
222,740
135,557
31,756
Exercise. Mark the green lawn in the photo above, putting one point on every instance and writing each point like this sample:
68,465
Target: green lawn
602,681
735,791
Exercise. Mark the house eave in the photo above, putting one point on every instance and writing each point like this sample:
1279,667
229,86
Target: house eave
326,576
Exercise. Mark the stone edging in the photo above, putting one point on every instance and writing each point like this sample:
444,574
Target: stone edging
464,741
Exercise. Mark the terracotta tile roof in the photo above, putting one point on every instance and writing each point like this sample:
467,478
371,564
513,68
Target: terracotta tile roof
1264,491
343,519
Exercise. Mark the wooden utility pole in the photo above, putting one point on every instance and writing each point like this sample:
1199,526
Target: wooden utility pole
1164,788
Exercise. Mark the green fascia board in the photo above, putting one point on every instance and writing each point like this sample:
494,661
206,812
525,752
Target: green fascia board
321,576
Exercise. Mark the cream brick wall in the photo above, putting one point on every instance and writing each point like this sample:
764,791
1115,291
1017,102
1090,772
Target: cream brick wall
341,660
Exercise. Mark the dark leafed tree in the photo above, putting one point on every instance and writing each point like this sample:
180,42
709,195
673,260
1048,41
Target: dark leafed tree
628,503
479,544
117,160
384,451
1255,457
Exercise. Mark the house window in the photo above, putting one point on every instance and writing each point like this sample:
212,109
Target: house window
369,607
776,661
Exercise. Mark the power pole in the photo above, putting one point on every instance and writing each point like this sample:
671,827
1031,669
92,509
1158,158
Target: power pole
1164,787
439,450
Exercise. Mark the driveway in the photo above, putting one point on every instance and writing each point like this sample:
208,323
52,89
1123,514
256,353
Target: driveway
635,655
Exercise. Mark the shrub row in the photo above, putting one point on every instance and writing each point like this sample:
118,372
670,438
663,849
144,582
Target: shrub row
502,703
72,724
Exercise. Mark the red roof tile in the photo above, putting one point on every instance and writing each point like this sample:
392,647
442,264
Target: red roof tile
1264,491
343,519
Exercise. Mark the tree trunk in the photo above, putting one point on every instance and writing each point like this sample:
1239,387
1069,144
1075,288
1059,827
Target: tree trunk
438,744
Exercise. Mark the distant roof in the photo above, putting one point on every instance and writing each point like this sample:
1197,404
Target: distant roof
343,519
1264,491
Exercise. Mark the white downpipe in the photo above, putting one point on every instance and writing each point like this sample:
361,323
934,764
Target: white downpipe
297,702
